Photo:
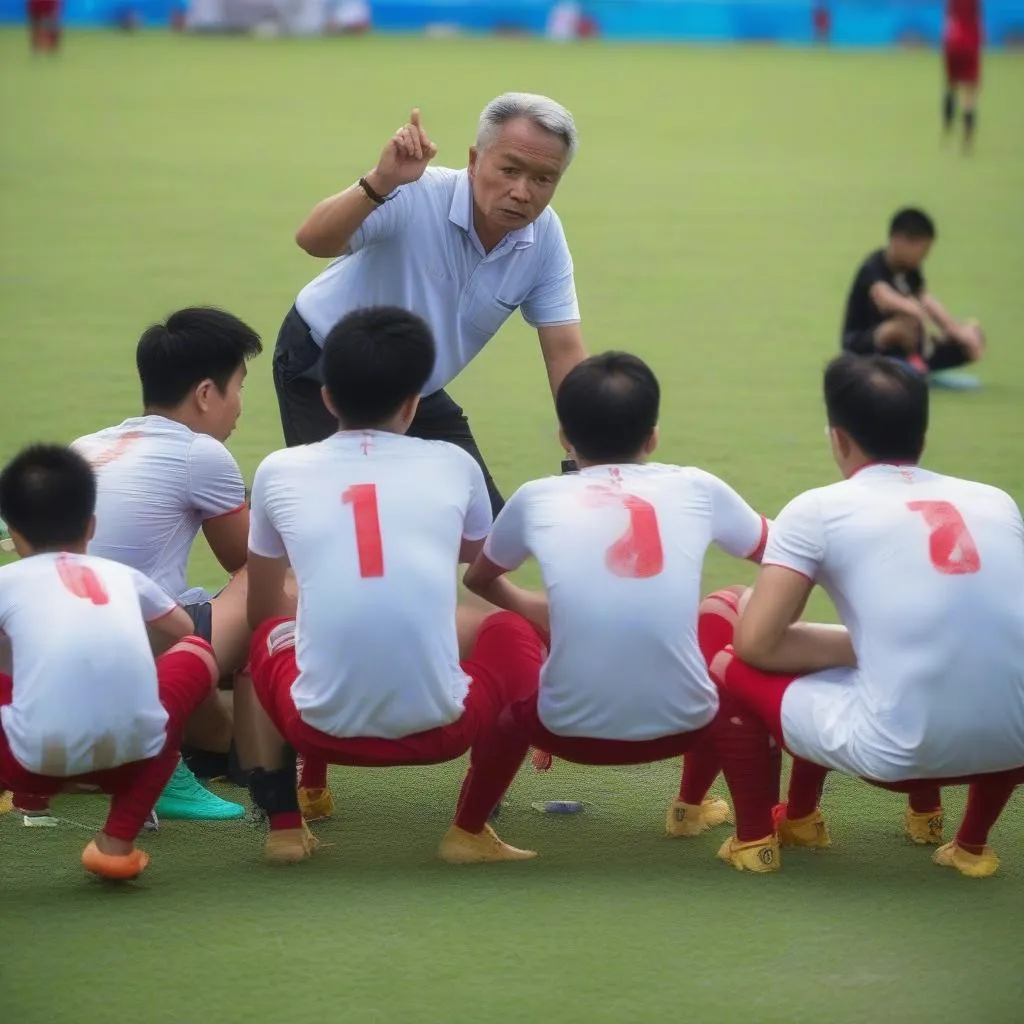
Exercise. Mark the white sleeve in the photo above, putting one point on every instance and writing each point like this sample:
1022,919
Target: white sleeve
552,300
264,540
796,539
215,482
477,524
153,600
735,527
506,543
386,221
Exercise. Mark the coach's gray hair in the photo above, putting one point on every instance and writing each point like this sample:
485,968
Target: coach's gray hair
541,110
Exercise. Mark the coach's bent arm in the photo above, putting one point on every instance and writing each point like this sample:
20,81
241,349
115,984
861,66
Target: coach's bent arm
563,348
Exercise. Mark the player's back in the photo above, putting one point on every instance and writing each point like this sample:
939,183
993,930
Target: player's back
963,24
372,524
927,572
157,481
85,694
621,550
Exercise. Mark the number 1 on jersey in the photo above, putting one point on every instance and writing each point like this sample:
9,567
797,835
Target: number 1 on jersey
950,544
81,581
370,547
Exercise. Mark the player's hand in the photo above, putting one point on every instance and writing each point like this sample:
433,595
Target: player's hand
405,157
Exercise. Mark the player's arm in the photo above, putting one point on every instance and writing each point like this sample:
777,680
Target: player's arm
173,625
166,621
267,596
332,223
735,527
228,537
488,580
966,334
217,492
768,635
888,300
768,638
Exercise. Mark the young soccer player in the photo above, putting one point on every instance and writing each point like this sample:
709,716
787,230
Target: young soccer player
44,30
961,50
927,687
85,705
374,525
621,548
165,476
890,310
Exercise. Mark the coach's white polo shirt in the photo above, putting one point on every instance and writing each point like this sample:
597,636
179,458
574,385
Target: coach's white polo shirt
420,251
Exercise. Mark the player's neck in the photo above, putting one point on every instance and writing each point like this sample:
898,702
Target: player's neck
179,414
585,464
892,261
854,466
393,426
78,548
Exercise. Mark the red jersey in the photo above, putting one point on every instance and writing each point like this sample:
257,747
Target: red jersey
963,25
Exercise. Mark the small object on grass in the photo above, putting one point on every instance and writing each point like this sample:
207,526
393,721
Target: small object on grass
6,544
152,823
950,380
558,806
38,819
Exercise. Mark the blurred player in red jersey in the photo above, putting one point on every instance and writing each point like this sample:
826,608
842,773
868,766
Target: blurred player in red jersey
961,47
44,25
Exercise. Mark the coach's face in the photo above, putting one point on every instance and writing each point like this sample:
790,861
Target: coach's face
514,177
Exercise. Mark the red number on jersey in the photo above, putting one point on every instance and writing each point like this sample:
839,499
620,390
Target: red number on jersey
363,499
81,581
950,545
637,554
116,450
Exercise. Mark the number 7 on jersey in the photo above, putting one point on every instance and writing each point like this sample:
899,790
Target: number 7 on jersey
369,545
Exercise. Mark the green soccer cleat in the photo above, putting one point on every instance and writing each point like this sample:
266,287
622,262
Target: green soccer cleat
186,800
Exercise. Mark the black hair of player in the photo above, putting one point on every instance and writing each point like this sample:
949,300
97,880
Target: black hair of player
912,223
48,495
194,344
375,360
608,407
880,403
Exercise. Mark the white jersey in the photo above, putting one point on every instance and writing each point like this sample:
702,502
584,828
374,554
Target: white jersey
158,481
372,524
927,573
85,684
621,550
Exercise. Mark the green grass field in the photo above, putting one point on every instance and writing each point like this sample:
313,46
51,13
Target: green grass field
717,209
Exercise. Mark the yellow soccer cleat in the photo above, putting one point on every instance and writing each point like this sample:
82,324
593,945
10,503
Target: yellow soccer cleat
461,847
289,845
316,804
686,820
761,856
6,801
973,865
924,827
810,832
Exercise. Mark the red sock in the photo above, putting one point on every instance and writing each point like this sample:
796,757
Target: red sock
313,774
29,803
134,799
745,747
985,802
700,768
926,801
285,819
805,786
716,622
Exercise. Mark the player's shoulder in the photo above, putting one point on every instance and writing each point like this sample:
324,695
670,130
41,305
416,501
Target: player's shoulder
105,435
872,262
208,448
445,452
964,489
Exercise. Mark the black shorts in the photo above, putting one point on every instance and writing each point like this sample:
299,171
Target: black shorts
201,615
945,354
860,343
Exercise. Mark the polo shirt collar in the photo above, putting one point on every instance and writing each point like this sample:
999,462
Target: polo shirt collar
461,215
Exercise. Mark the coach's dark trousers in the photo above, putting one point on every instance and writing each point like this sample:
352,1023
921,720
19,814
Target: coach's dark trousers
306,420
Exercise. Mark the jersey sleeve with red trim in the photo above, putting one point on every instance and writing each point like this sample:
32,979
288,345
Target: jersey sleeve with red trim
478,520
796,539
735,527
155,603
506,543
214,480
264,540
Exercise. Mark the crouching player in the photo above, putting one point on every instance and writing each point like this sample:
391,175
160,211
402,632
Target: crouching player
374,525
621,548
85,706
927,687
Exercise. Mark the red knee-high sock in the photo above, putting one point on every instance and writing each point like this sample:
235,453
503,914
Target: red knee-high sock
700,768
130,806
493,763
745,747
927,800
716,622
313,774
805,786
985,802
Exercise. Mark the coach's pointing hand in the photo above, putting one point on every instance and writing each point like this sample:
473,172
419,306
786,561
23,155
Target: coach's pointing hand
406,155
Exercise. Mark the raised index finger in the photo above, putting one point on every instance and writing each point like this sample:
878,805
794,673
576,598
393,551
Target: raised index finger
414,117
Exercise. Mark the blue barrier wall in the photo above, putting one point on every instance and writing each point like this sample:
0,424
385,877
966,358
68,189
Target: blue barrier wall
854,22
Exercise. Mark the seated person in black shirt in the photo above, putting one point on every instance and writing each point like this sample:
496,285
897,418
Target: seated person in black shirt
891,311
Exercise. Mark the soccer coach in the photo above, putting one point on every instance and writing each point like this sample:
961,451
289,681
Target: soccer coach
462,248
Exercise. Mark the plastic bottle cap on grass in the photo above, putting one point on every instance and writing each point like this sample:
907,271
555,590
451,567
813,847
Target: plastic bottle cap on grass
558,806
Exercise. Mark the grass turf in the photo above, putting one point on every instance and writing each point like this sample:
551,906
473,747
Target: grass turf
718,207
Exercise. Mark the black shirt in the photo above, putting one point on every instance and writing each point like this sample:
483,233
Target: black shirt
861,312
